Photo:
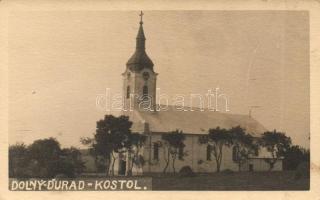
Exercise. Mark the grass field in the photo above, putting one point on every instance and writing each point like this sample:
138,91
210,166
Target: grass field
284,180
252,181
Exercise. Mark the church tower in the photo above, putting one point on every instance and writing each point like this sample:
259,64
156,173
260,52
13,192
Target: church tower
139,79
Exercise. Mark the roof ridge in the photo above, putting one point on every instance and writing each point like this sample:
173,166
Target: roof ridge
204,110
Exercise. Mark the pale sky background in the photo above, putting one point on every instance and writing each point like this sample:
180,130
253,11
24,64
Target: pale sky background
60,61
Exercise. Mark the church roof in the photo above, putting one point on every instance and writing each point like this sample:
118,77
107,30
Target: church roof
140,60
193,122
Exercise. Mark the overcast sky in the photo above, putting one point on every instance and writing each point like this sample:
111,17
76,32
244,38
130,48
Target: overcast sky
60,61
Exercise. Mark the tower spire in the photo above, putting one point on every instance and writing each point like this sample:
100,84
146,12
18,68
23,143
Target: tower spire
140,37
140,60
141,15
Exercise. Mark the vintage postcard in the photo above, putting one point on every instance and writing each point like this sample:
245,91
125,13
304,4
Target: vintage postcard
105,99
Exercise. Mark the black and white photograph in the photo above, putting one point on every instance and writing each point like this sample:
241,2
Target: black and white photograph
158,100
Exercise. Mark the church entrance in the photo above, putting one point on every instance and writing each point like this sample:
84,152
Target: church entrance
122,167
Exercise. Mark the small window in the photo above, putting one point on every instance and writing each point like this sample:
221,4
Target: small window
145,91
128,92
235,153
156,151
145,76
208,152
181,153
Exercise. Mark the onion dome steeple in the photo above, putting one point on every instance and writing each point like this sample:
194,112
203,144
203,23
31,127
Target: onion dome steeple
140,60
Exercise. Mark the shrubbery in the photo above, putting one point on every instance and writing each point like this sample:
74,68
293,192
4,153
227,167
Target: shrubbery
44,159
186,171
294,156
303,170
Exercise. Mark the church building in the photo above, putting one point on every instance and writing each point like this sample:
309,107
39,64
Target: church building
139,88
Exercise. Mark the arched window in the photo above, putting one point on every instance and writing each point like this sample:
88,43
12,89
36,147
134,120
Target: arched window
155,151
180,152
235,155
145,91
128,92
208,152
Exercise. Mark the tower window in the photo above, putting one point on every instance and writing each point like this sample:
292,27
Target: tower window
156,151
208,152
145,91
128,92
145,76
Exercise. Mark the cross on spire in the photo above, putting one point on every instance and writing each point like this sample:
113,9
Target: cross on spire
141,15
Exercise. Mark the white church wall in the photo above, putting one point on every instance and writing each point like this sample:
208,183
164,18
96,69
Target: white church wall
196,157
259,164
